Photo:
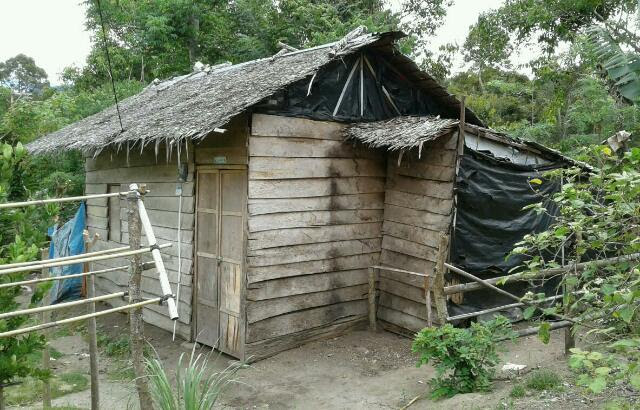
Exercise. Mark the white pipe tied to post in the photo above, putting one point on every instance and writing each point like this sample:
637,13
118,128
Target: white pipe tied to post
165,286
179,192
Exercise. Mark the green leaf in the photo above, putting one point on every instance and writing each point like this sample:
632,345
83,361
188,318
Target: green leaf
602,371
626,314
598,384
528,312
536,181
595,356
544,332
634,379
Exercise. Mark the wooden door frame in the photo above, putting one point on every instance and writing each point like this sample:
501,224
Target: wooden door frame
194,296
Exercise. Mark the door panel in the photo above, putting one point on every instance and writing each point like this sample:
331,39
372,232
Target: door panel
220,250
207,317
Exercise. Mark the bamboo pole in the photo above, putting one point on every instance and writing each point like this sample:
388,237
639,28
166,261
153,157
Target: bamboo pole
59,306
155,253
46,354
569,339
54,323
65,258
136,324
576,267
87,257
534,330
59,200
92,327
54,278
427,300
372,299
438,282
482,281
408,272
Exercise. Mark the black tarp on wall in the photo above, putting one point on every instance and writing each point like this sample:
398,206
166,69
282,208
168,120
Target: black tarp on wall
491,193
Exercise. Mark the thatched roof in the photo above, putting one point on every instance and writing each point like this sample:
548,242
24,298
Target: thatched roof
192,106
400,133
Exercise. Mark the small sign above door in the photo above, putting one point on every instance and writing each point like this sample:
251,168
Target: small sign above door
220,160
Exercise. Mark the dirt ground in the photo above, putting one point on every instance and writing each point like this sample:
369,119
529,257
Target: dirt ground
361,370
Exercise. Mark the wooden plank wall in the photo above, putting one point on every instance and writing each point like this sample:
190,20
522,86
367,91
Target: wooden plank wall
160,176
315,216
418,207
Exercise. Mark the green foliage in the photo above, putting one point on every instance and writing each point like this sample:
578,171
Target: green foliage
543,380
197,385
517,392
30,390
22,75
464,359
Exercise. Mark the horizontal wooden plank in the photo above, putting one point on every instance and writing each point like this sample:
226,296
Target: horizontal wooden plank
266,348
230,155
406,278
265,309
435,189
293,147
279,126
256,275
404,305
286,168
165,219
431,154
312,252
315,187
407,262
305,319
421,202
401,289
97,222
321,203
444,173
409,248
122,277
145,174
187,249
286,220
421,219
95,189
413,233
156,189
300,236
99,211
403,320
166,234
299,285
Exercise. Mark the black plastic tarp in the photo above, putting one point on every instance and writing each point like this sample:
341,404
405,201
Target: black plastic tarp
490,220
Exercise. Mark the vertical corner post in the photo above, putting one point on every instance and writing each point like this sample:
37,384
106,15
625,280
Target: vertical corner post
136,325
46,354
438,282
372,299
92,327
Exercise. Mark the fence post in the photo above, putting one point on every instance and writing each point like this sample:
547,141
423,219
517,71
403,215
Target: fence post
92,327
438,282
46,357
372,298
135,315
569,338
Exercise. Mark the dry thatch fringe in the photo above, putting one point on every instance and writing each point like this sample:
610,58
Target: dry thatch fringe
400,133
191,106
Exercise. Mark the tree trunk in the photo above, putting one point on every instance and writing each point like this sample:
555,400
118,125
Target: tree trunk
194,22
136,325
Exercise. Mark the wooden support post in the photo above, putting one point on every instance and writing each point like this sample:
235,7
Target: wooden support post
92,327
136,324
46,354
427,300
569,337
372,299
438,282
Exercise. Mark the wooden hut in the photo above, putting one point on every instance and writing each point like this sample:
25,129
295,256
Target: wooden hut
293,175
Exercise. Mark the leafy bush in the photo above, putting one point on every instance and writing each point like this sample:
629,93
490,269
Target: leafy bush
464,359
517,391
543,380
197,386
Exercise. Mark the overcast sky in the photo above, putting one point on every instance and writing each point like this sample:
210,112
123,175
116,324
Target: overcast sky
52,31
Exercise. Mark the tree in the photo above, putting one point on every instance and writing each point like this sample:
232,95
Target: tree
22,75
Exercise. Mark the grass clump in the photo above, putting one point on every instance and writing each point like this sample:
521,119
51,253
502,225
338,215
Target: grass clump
518,391
543,380
30,390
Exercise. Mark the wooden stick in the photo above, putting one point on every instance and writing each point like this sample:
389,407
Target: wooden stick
53,278
569,339
136,324
87,257
438,283
46,354
372,299
92,328
482,281
384,89
59,200
43,326
59,306
534,330
390,269
65,258
427,300
157,257
499,308
468,287
361,85
346,85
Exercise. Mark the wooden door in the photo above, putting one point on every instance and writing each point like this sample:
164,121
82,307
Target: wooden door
221,204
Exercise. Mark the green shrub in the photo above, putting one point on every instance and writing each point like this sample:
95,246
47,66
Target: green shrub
517,391
464,359
543,380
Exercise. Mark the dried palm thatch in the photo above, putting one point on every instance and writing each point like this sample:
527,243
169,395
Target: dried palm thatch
400,133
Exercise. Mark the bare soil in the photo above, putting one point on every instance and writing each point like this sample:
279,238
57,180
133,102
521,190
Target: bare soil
361,370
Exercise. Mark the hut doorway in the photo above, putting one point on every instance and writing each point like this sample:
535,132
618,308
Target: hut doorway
220,222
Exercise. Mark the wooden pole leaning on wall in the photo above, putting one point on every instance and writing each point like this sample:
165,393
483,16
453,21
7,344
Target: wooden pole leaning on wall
372,299
136,325
46,354
569,332
92,326
438,281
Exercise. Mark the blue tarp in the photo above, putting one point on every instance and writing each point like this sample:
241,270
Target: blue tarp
67,241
